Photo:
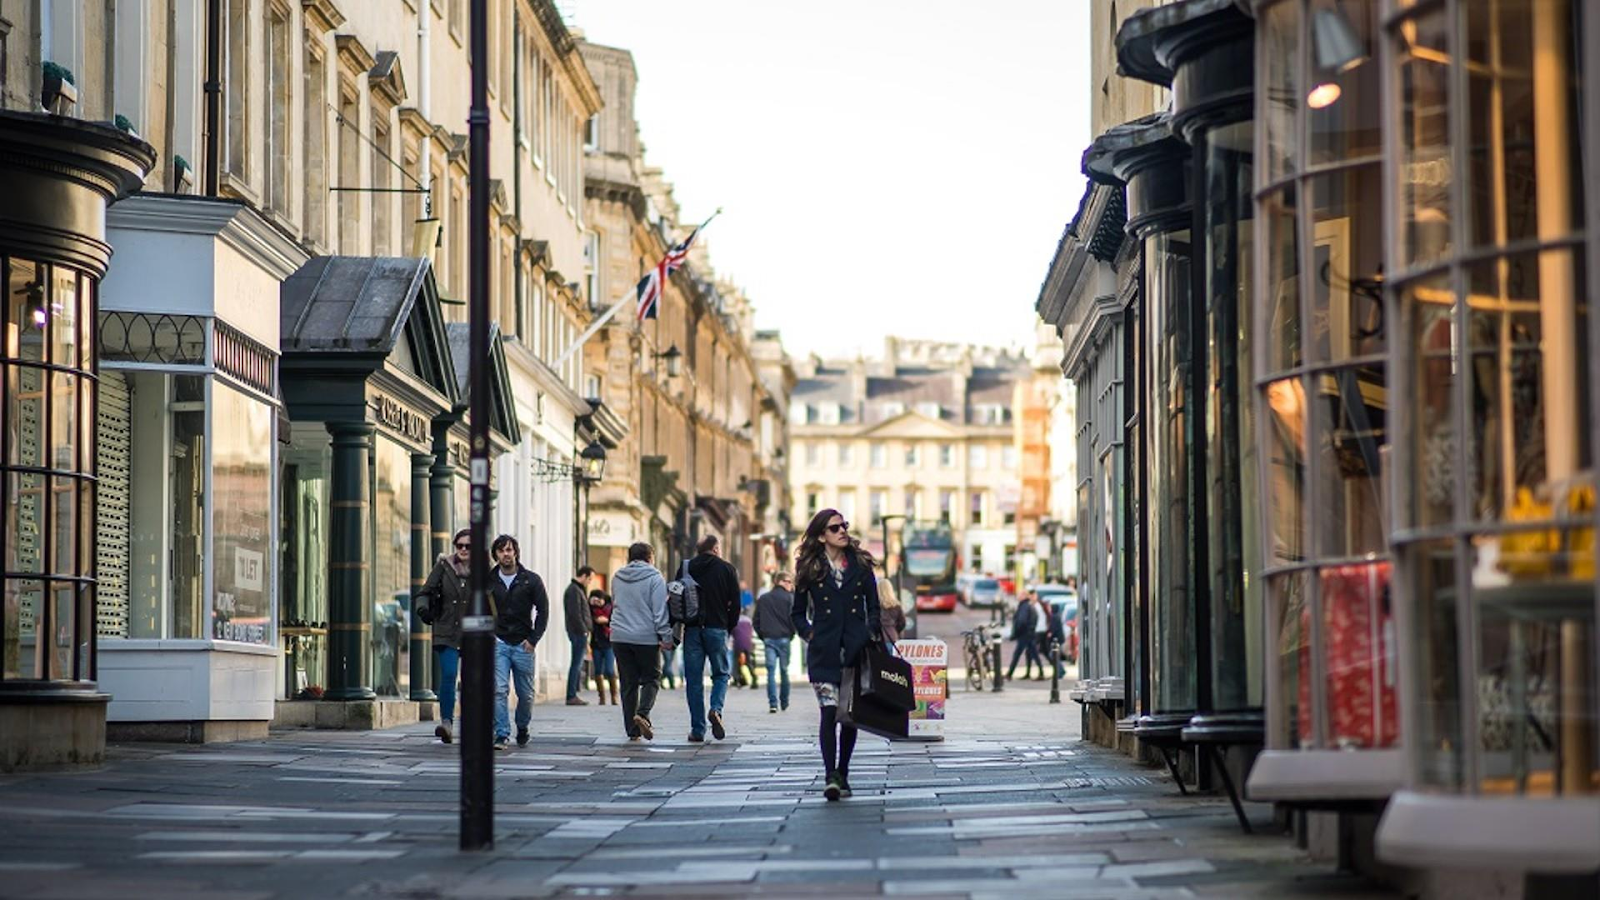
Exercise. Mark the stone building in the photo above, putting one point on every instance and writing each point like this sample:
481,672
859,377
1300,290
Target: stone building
927,431
704,428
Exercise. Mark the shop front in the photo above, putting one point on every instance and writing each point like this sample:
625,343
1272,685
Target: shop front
57,176
367,372
1490,268
187,449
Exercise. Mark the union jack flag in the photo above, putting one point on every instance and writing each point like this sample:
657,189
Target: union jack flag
649,289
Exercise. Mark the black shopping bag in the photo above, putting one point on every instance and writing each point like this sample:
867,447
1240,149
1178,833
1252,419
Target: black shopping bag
886,678
869,715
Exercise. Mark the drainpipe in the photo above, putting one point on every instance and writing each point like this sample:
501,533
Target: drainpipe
425,99
517,126
213,91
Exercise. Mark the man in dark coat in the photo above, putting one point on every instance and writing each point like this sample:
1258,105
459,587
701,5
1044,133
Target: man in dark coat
708,642
521,612
775,626
1024,629
576,604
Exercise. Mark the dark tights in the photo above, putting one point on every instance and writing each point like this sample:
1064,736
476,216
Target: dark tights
846,735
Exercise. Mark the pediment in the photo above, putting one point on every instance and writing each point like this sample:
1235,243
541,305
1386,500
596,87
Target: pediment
912,424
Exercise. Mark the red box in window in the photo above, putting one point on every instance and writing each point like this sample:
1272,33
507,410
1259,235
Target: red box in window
1358,638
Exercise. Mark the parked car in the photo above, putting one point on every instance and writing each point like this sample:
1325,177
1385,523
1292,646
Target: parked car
984,594
964,582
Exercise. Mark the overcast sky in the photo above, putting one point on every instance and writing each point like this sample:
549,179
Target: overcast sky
885,166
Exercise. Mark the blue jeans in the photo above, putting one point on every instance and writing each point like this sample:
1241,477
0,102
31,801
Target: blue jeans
580,652
449,668
701,645
777,665
512,660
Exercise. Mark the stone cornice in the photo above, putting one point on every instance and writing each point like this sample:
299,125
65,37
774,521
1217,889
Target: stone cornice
353,53
239,226
322,15
523,360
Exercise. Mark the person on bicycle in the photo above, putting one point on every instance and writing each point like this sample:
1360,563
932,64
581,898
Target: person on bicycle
836,613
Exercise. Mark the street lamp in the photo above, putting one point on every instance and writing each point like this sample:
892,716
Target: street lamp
594,462
673,357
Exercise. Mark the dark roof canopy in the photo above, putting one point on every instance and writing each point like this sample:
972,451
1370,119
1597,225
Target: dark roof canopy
502,411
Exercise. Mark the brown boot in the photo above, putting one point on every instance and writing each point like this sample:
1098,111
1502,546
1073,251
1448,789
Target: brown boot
600,688
616,696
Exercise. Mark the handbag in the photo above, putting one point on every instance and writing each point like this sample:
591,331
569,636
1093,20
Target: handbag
886,678
869,715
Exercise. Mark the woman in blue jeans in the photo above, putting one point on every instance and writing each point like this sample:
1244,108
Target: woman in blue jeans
446,594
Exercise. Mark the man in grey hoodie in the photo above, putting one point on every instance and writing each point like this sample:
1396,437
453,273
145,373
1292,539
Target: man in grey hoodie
639,632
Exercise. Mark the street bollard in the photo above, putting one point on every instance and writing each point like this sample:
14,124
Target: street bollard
999,663
1055,671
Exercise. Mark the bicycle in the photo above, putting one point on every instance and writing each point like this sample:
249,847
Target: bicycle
977,658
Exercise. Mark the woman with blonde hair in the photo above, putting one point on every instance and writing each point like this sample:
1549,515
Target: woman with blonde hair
892,615
836,613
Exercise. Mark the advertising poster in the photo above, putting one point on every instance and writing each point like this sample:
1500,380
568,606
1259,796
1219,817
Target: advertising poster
929,661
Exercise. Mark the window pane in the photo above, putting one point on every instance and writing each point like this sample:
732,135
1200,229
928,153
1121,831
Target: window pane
391,570
1290,717
24,422
1359,656
1281,92
64,421
1349,415
1429,316
23,600
1284,431
1342,99
187,473
1347,265
1424,124
63,316
1529,424
63,628
64,536
25,523
1524,160
25,311
1433,633
1283,279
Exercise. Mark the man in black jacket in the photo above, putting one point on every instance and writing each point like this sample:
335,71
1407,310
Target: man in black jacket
521,612
708,642
576,604
775,626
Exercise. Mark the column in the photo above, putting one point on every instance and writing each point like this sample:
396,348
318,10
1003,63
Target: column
349,569
422,559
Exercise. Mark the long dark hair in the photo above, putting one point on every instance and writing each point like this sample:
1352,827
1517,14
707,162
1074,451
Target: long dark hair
811,559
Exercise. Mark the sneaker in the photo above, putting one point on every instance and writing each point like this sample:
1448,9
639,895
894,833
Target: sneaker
501,743
717,731
523,737
772,709
442,732
696,738
844,787
834,789
644,727
577,701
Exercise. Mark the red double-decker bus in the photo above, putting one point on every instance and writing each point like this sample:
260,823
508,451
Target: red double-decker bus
930,556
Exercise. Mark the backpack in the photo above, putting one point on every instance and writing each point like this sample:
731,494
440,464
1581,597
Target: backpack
683,600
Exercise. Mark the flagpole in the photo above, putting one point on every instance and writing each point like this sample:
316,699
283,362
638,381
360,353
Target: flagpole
605,317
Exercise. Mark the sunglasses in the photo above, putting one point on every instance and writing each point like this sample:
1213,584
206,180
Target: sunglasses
463,546
840,528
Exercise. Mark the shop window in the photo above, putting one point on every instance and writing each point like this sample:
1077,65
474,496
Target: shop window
391,569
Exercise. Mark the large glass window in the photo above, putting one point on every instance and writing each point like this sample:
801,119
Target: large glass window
1496,537
391,569
46,473
241,516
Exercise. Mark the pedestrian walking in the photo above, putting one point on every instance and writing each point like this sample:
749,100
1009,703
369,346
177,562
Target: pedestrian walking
575,602
1041,633
746,599
774,624
1023,631
640,637
836,612
892,615
605,663
707,643
521,612
1058,635
446,597
744,651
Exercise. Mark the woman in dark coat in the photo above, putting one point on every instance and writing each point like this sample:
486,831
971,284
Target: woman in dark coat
836,613
446,594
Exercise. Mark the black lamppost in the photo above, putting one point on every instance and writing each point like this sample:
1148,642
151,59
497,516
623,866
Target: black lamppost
590,469
673,357
477,643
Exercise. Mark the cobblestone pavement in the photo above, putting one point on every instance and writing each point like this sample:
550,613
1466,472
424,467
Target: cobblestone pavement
1010,805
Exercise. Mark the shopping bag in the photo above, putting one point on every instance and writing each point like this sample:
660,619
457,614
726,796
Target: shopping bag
886,678
869,715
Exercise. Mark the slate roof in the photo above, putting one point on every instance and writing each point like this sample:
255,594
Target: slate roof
909,386
349,303
502,412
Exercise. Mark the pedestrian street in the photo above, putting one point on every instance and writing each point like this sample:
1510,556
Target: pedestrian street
1009,805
